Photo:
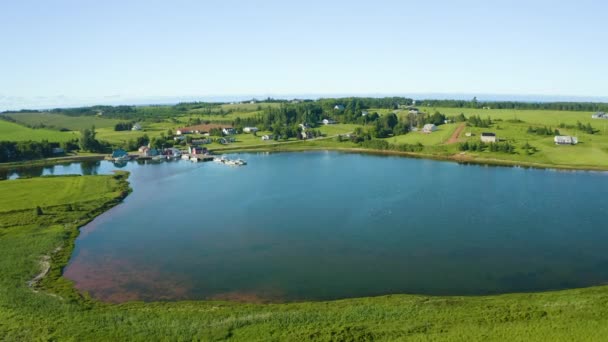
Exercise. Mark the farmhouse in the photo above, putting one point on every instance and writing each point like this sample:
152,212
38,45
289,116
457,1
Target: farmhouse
328,122
599,115
339,107
488,137
136,127
250,129
229,131
565,140
429,128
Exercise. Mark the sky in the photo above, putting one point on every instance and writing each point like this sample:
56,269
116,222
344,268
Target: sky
62,53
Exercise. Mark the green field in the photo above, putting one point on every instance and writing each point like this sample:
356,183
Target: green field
10,131
60,121
54,311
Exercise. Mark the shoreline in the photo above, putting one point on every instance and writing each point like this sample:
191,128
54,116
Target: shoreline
460,159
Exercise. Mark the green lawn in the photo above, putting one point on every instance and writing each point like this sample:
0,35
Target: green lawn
56,312
59,121
10,131
443,133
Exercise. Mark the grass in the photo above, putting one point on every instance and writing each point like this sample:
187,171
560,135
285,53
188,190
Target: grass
10,131
59,121
57,312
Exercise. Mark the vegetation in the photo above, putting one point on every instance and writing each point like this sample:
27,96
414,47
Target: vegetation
53,310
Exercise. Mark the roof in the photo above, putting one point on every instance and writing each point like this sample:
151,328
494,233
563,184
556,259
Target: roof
488,134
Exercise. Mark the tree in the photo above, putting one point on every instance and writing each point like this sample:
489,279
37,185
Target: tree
87,140
39,211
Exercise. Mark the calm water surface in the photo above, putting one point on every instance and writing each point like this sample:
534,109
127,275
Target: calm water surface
324,225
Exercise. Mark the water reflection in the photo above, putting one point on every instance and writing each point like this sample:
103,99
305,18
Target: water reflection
90,167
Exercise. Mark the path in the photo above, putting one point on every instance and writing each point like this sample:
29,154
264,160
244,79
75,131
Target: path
454,138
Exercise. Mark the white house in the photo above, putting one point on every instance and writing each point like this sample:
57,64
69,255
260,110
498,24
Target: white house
250,129
428,128
228,131
339,107
136,127
488,137
267,137
599,115
565,140
328,122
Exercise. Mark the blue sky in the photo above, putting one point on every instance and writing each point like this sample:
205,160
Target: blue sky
70,51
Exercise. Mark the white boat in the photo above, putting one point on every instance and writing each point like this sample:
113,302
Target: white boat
158,158
122,158
194,159
240,162
185,157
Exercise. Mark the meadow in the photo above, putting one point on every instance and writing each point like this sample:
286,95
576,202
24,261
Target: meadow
60,121
53,310
10,131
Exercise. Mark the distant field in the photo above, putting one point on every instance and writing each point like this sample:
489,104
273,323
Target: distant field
10,131
59,121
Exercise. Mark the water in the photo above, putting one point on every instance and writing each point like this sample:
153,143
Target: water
325,225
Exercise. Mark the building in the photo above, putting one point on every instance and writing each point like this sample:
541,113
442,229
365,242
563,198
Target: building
150,152
488,137
267,137
565,140
192,149
119,153
339,107
599,115
143,148
250,129
229,131
328,122
429,128
468,134
136,127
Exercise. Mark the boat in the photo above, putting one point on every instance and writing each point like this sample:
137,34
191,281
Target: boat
240,162
122,158
185,157
158,158
194,159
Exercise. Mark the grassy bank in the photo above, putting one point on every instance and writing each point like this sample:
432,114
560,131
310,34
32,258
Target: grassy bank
57,312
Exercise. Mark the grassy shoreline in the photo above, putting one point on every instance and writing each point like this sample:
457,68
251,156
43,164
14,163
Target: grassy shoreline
461,159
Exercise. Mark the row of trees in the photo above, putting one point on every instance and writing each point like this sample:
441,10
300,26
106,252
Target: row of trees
543,131
479,146
124,126
27,150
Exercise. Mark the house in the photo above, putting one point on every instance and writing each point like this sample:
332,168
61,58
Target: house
339,107
192,149
172,152
58,150
119,153
565,140
488,137
228,131
250,129
142,149
182,131
328,122
150,152
306,135
429,128
136,127
267,137
599,115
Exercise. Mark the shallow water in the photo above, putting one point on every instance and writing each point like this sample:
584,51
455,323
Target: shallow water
326,225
